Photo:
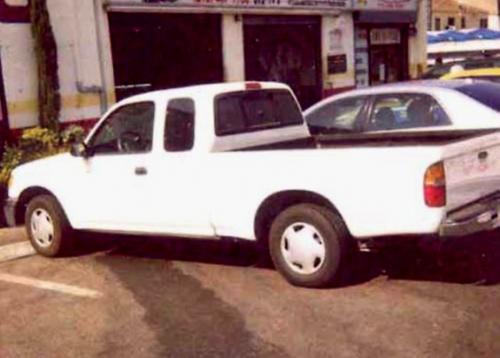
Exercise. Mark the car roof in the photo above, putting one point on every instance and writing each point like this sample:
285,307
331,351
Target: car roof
418,85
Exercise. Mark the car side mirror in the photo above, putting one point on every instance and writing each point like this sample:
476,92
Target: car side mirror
80,150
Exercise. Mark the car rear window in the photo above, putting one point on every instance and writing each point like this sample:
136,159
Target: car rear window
485,93
242,112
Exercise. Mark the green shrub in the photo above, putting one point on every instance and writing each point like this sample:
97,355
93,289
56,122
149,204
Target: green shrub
36,143
73,134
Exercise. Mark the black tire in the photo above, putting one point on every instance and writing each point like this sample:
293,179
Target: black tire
61,242
338,246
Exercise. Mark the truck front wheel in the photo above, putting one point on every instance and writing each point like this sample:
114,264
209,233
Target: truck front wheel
310,246
48,228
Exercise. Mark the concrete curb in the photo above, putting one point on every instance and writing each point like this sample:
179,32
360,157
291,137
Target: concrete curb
16,251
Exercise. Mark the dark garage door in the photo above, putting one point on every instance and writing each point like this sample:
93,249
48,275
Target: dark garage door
158,51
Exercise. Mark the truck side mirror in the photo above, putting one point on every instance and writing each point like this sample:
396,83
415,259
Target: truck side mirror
80,150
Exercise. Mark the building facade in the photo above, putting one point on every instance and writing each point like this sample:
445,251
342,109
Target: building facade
110,49
464,14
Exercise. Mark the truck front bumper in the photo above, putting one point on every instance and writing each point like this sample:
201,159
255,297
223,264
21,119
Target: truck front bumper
480,216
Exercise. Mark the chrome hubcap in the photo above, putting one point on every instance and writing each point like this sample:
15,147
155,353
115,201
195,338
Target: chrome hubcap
42,228
303,248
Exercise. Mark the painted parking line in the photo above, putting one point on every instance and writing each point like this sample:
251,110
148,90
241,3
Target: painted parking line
51,286
16,251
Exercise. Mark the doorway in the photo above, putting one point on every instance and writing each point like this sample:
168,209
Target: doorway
285,49
159,51
388,49
385,65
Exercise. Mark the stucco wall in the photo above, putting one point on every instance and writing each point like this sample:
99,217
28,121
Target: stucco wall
418,43
343,23
74,28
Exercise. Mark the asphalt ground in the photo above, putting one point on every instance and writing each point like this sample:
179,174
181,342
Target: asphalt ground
151,297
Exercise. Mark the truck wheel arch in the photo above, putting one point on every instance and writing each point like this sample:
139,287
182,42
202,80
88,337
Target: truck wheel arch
277,202
24,199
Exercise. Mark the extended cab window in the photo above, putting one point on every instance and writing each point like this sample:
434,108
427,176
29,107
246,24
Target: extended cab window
129,129
242,112
179,125
405,111
337,116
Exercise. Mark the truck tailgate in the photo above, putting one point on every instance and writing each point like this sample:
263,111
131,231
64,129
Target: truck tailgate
472,170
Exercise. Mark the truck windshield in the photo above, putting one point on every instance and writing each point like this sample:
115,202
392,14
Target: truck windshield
242,112
483,92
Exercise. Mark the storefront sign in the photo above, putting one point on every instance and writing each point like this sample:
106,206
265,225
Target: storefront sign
398,5
258,4
337,64
385,36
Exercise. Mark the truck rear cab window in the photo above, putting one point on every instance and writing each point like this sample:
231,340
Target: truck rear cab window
243,112
179,125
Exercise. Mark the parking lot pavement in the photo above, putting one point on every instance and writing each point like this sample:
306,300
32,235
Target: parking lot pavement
12,235
185,299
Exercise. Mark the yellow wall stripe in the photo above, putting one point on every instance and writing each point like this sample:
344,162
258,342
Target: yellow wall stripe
80,100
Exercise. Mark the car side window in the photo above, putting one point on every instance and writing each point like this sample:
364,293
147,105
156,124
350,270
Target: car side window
129,129
179,125
337,116
405,111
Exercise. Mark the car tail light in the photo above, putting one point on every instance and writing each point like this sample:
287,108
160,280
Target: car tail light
252,86
435,186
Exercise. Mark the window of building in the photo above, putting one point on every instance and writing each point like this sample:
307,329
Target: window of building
451,23
463,24
437,24
483,23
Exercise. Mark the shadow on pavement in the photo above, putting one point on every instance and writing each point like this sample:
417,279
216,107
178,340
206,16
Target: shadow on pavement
474,259
224,252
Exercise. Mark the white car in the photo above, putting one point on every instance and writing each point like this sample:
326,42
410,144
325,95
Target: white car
405,109
237,160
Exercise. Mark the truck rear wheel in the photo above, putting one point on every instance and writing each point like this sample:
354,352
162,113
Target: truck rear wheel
48,228
310,246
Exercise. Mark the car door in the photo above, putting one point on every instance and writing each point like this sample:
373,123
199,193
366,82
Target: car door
116,168
178,188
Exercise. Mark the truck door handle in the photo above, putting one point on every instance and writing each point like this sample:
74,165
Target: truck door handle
141,171
483,155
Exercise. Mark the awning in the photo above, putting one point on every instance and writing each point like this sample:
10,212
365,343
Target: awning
332,7
385,17
434,37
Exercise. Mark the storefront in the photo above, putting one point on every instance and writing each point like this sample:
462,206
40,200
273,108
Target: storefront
382,34
163,44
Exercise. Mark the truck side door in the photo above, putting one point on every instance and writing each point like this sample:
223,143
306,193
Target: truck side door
115,171
177,190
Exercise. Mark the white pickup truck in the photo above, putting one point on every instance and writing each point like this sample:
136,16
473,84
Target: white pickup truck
237,160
